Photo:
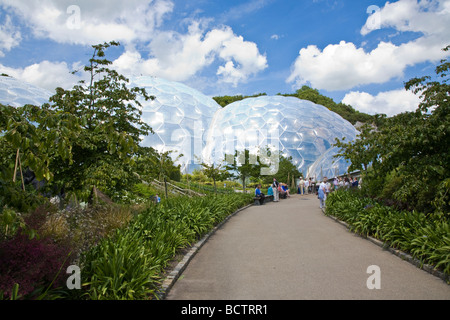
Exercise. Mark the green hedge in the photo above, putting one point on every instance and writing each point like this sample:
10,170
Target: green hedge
426,238
129,264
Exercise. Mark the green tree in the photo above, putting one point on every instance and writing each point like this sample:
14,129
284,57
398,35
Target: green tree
244,165
345,111
110,115
215,172
40,135
226,100
411,147
31,138
287,172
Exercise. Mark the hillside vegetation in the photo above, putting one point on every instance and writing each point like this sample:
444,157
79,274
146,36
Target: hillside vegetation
306,93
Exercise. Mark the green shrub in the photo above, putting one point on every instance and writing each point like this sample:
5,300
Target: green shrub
128,265
119,267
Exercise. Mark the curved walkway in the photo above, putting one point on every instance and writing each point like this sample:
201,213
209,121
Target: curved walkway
291,251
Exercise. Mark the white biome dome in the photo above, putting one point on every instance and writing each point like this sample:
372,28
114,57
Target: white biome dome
296,128
17,93
329,166
179,116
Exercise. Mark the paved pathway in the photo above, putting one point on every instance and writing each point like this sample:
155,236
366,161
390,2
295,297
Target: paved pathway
291,251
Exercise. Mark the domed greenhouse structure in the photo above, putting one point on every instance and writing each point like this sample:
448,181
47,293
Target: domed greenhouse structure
296,128
195,128
179,116
18,93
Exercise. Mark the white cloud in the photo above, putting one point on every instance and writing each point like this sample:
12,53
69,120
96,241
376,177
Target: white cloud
428,17
47,75
9,36
178,57
344,66
245,54
389,103
92,21
137,24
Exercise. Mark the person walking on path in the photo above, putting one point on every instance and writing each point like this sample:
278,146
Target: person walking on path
322,192
321,198
307,187
276,194
302,186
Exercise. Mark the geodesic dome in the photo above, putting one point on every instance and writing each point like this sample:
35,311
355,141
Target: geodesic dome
17,93
297,128
179,116
329,166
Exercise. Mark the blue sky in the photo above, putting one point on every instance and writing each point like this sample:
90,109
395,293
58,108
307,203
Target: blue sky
358,52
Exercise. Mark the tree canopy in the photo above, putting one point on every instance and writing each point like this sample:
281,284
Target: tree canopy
409,153
226,100
345,111
87,136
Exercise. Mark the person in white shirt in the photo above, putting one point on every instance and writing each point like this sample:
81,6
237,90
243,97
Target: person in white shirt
324,186
306,186
301,186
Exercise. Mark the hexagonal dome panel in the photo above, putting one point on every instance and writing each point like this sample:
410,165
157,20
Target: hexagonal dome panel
329,166
278,121
190,123
18,93
180,117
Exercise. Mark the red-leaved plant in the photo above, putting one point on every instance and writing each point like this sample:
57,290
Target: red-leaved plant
31,263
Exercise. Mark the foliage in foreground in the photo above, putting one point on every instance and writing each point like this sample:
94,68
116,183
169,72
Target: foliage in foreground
129,264
87,136
426,238
36,248
410,151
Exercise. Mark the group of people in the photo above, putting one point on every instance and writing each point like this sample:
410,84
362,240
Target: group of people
351,182
277,190
307,186
325,187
